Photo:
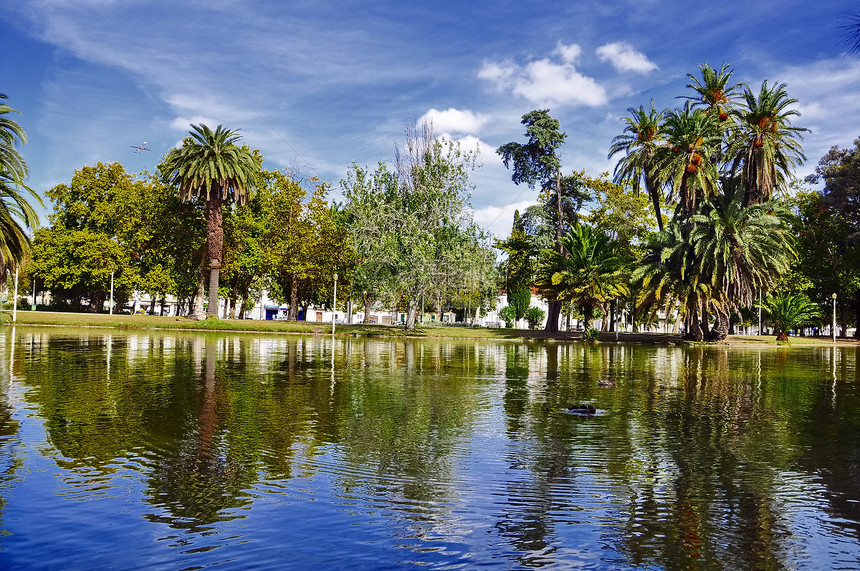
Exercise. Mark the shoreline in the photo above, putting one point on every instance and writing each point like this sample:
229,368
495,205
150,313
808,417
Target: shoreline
158,323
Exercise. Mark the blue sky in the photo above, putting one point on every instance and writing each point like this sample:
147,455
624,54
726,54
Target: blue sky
317,85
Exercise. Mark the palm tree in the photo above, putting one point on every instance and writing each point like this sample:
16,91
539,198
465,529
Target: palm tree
788,311
210,164
640,141
16,216
590,274
765,147
686,161
713,92
670,273
16,213
740,252
11,135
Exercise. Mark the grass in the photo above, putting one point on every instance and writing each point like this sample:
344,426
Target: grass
154,322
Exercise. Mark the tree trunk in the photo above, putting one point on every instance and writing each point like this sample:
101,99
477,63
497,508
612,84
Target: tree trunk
214,246
857,313
654,191
721,325
365,299
293,314
411,312
553,312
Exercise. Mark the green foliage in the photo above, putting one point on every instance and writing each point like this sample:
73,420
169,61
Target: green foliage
411,228
17,215
590,334
537,160
509,315
589,272
789,311
534,316
209,165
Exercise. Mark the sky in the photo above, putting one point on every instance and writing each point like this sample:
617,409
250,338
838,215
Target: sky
318,85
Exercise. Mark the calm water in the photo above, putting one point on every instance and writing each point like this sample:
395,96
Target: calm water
179,452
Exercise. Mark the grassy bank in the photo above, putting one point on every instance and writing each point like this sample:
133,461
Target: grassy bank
153,322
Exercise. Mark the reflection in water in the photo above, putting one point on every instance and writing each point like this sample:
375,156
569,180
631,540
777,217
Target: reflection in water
384,452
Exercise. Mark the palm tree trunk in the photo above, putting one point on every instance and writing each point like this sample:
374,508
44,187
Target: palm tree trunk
215,247
721,325
654,191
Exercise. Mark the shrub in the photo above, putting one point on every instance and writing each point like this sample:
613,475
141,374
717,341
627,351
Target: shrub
534,316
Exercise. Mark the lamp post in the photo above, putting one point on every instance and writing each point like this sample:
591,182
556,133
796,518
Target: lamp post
334,306
110,307
759,312
834,317
15,298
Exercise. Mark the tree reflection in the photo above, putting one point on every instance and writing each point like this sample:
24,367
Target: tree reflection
692,461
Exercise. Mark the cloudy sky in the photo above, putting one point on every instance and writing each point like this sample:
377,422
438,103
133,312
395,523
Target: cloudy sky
319,85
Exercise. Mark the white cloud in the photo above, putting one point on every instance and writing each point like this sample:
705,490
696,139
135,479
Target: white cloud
499,74
569,54
623,57
498,219
546,81
454,120
184,123
826,94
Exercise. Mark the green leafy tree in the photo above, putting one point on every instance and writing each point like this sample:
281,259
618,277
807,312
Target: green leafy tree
830,230
519,266
210,164
89,237
537,162
404,221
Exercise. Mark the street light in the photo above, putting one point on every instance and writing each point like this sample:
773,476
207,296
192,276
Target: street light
834,317
110,306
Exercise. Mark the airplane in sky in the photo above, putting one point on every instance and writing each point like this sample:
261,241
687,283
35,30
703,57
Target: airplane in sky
140,147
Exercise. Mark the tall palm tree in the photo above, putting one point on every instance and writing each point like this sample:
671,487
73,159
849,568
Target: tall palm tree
713,92
210,164
765,147
640,141
590,274
687,160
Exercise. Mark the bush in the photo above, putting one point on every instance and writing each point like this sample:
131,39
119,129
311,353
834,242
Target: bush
508,315
589,334
534,316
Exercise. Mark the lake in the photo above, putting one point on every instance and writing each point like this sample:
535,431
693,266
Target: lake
183,451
